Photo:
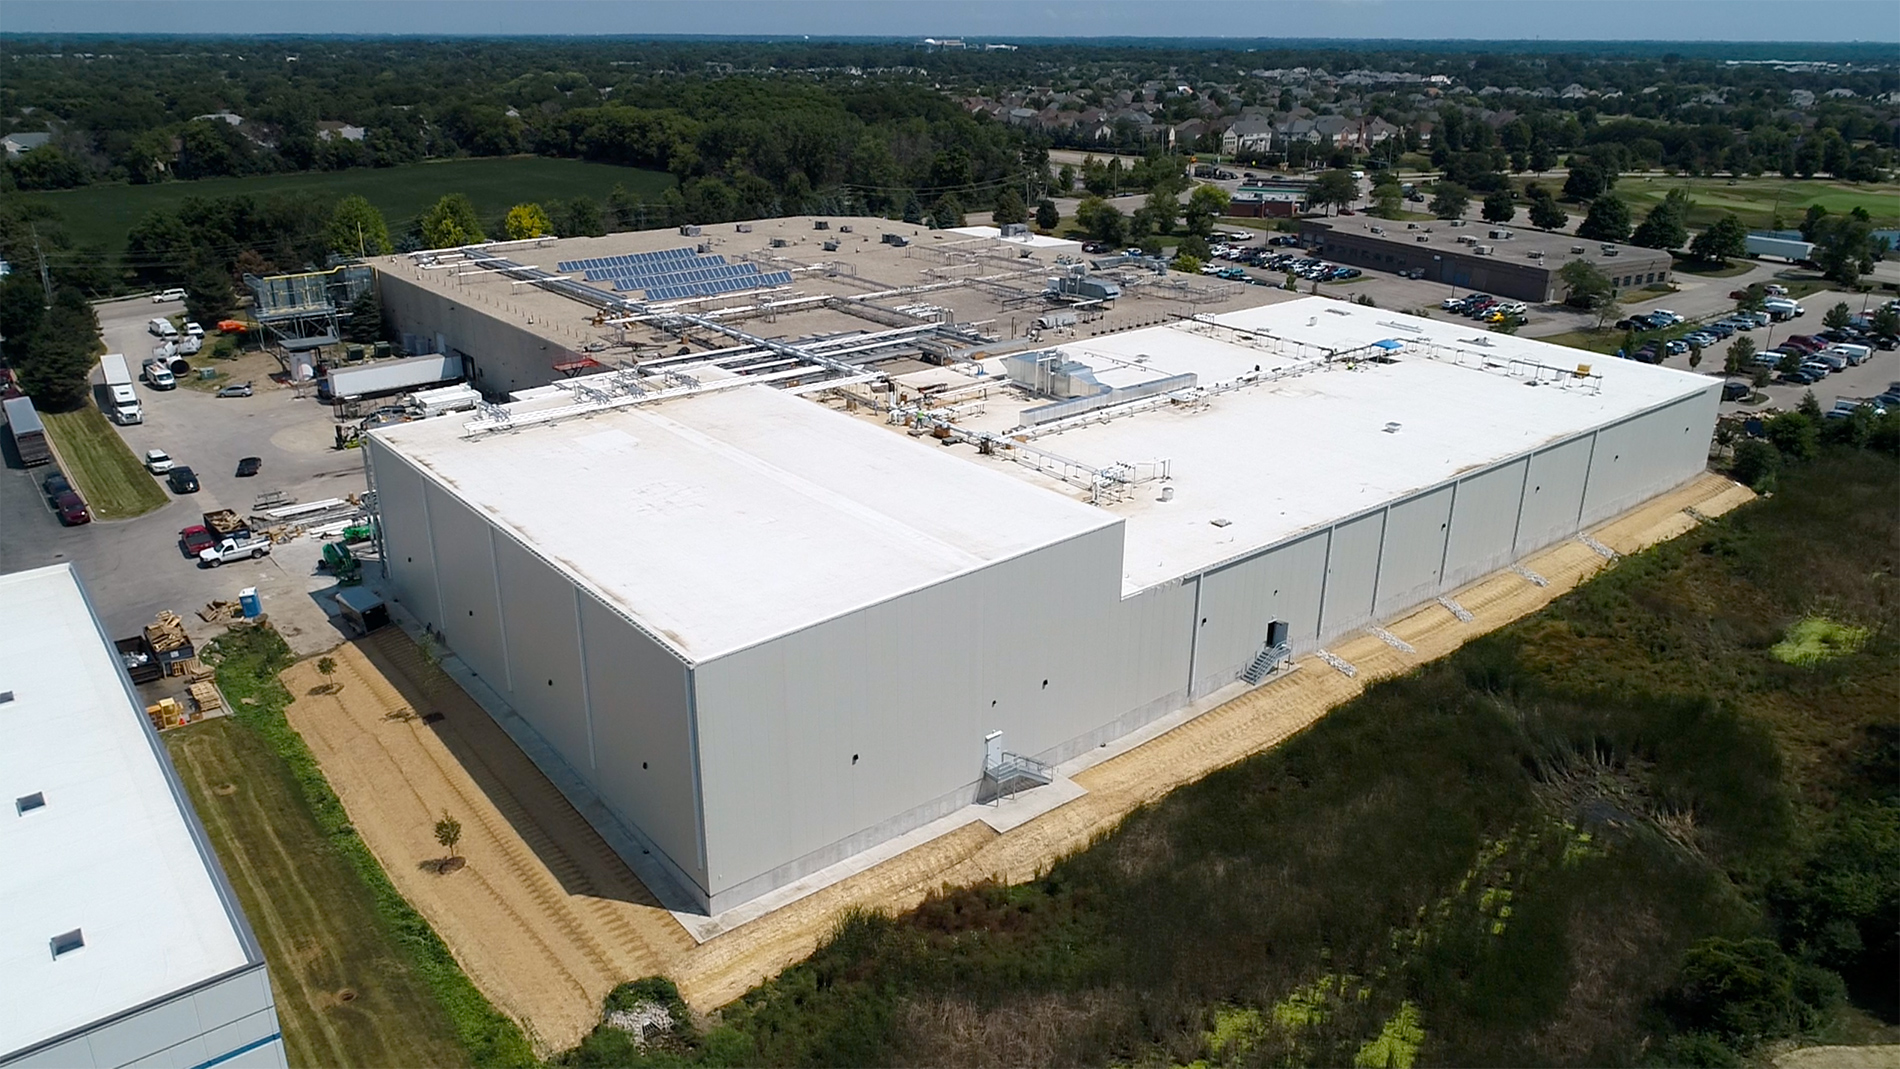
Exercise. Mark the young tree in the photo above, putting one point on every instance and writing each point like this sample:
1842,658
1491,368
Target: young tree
450,222
1695,355
1500,206
1048,216
1740,352
1065,179
1755,464
1720,241
913,208
356,228
1886,321
947,212
623,208
1009,208
1546,214
326,667
1584,283
1608,220
1838,316
1450,200
448,832
1185,264
528,220
578,218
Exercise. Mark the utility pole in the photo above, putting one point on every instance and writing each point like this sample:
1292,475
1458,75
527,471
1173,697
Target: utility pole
46,281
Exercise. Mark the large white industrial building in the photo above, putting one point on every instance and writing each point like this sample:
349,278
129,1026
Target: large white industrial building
121,943
770,628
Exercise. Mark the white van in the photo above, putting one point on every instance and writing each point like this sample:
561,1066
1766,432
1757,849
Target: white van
158,376
1854,354
162,328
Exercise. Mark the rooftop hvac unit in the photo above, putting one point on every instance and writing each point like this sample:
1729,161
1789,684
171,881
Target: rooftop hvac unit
1535,254
1481,250
689,231
703,248
844,229
1574,249
1015,230
1500,235
1423,237
1466,239
743,228
832,245
820,224
1378,230
1609,252
778,243
1457,222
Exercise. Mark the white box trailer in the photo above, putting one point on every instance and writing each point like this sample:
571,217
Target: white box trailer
446,399
1786,248
390,376
123,401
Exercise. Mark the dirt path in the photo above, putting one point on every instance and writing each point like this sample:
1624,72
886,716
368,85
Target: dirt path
546,919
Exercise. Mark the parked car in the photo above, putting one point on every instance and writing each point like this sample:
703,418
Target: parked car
195,540
55,485
249,466
236,389
194,330
72,509
168,295
232,549
157,461
182,480
1735,390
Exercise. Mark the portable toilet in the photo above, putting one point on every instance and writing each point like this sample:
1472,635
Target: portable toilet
253,605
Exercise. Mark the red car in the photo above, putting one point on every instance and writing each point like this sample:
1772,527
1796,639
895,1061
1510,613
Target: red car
194,539
72,509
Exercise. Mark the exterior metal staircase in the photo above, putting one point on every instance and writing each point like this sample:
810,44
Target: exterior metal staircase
1007,773
1269,658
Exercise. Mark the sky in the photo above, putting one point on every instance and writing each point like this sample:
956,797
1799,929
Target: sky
1599,20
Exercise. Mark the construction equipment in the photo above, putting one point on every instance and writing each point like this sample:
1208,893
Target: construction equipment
340,562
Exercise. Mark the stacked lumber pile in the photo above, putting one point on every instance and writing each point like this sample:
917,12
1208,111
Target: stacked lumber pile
220,610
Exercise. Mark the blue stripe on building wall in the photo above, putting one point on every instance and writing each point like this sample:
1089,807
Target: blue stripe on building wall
245,1049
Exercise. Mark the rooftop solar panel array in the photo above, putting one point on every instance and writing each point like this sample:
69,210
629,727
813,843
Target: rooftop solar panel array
638,259
610,274
680,278
681,291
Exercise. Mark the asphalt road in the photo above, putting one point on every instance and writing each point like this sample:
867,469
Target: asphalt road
133,568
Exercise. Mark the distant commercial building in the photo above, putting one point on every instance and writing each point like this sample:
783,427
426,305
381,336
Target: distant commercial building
121,943
1501,260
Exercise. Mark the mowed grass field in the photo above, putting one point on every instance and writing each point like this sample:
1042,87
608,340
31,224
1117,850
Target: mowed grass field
345,994
1756,201
97,460
104,214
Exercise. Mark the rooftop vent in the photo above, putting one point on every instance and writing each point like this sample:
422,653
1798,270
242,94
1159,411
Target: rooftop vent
820,224
67,942
28,804
5,696
743,228
1392,428
689,231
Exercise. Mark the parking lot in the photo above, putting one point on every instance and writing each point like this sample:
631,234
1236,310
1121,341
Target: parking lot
133,568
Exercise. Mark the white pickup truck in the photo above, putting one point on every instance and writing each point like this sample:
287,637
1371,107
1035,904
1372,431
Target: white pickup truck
234,549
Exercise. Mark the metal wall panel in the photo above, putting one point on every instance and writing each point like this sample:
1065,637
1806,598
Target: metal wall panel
465,570
1239,600
1413,550
1483,524
1554,494
643,746
1352,571
825,741
542,632
407,551
1642,456
505,357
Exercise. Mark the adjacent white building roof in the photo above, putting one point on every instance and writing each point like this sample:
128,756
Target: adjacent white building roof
721,520
113,852
1030,240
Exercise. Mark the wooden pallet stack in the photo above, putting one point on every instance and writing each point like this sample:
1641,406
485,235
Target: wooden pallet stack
205,696
166,634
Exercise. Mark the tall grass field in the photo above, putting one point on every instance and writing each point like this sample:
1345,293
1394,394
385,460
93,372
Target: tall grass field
104,214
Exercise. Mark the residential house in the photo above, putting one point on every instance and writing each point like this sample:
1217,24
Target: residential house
1248,136
15,144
